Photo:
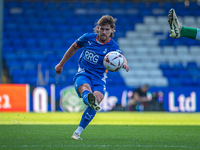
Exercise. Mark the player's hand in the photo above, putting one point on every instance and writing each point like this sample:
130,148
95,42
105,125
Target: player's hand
58,68
125,66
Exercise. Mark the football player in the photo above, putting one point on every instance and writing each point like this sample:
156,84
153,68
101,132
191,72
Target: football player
177,30
90,80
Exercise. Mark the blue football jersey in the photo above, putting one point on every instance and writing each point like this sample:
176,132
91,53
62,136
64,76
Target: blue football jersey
91,58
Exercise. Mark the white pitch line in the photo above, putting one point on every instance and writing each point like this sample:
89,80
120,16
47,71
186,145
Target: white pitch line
172,146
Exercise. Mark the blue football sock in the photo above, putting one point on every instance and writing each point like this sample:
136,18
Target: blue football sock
84,96
87,116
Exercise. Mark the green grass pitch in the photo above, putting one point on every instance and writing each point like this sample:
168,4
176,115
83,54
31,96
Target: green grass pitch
111,131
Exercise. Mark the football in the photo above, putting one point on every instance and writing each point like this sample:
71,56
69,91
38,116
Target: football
113,61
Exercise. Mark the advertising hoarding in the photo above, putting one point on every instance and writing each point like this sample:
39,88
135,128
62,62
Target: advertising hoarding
14,97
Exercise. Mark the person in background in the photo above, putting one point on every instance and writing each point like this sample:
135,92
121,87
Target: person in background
139,97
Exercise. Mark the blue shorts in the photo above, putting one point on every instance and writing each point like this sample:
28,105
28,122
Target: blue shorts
95,83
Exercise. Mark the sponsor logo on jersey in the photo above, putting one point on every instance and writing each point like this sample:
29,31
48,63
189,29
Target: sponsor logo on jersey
91,57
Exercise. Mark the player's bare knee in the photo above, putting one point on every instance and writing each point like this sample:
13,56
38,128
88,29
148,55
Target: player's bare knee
84,87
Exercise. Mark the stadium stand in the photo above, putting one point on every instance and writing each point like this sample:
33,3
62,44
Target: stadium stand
37,34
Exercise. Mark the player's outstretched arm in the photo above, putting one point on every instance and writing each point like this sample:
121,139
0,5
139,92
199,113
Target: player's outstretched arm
69,53
125,66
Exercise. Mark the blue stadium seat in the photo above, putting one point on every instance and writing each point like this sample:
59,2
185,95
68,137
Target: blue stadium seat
102,5
18,79
169,73
195,12
146,12
128,5
194,73
16,72
141,5
183,12
197,82
165,43
89,5
164,65
8,50
32,72
11,4
188,82
38,3
194,5
51,5
44,31
183,73
25,4
178,65
77,5
63,5
14,64
23,56
167,5
190,42
179,6
178,42
192,65
119,33
29,64
154,5
115,5
174,81
31,81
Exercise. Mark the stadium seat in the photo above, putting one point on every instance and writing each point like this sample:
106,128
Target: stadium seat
154,5
167,5
90,5
51,5
102,5
25,4
141,5
192,65
11,4
77,5
115,5
188,82
63,5
40,34
174,81
128,5
178,65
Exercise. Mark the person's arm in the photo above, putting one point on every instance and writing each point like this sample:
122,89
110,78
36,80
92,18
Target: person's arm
137,98
69,53
125,66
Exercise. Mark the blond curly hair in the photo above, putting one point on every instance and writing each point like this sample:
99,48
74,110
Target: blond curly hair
106,19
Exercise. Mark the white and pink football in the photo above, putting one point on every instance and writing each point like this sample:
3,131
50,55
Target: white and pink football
113,61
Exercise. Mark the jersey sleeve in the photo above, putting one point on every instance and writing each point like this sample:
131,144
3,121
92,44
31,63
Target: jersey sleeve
80,41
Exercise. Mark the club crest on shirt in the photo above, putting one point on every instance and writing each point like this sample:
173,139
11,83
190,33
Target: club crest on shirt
105,51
